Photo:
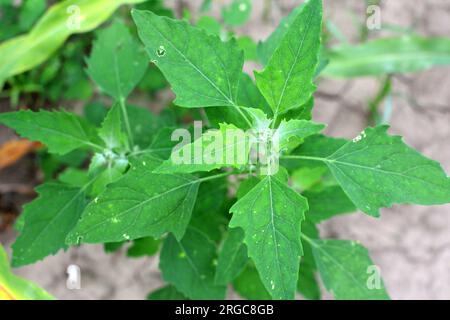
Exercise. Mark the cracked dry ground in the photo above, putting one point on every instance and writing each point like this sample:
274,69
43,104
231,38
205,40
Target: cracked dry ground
411,244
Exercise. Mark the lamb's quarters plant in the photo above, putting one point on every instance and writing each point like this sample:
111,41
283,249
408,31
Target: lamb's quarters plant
230,221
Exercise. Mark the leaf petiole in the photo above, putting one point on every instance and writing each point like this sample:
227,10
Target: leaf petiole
127,121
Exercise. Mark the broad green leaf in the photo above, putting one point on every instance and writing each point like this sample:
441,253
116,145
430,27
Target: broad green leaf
112,131
211,196
307,283
282,175
232,257
117,62
188,265
270,215
327,203
138,205
320,146
60,131
317,146
308,178
210,214
293,132
16,288
47,221
237,13
166,293
346,270
377,170
304,112
248,95
19,223
286,82
74,177
144,125
388,55
227,147
267,47
212,223
58,23
162,144
147,246
249,286
202,70
50,163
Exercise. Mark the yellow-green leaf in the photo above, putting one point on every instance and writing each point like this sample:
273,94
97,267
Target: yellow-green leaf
13,287
58,23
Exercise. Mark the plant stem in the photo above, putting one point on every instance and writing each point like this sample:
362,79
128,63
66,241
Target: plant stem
243,115
217,176
383,92
306,158
95,146
306,238
127,121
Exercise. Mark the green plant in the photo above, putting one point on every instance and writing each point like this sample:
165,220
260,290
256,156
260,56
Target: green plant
261,216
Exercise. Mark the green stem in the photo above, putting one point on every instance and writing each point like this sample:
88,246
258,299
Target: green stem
274,121
307,239
217,176
307,158
94,146
243,116
127,121
89,183
383,92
